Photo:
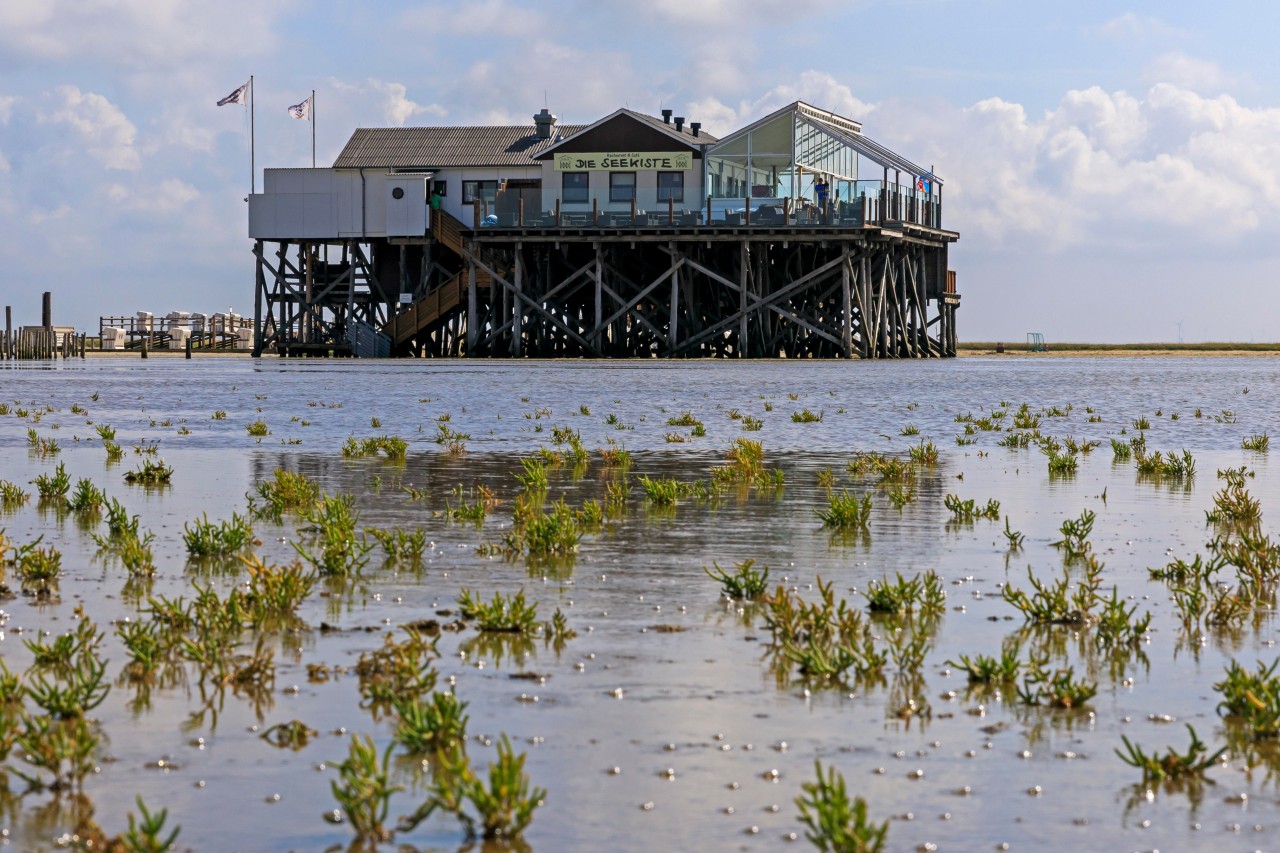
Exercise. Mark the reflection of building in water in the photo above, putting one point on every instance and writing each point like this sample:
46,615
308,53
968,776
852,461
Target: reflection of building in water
631,236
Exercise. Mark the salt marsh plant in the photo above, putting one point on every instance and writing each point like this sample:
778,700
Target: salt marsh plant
899,495
834,822
332,520
53,487
823,639
1057,602
1057,688
397,670
534,475
1234,505
11,494
453,442
845,511
507,614
363,789
150,473
87,498
1118,624
501,809
745,584
1141,423
205,538
805,416
114,451
431,725
983,669
1172,764
750,424
219,415
1012,537
541,534
922,592
146,834
257,429
1075,534
968,509
684,420
662,491
924,453
36,566
1061,464
275,592
399,544
287,491
1121,451
392,447
1252,697
1258,443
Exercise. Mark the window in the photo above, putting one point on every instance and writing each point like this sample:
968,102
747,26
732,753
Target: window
576,188
671,186
485,191
441,187
622,186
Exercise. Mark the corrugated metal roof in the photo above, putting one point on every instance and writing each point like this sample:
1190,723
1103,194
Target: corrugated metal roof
443,147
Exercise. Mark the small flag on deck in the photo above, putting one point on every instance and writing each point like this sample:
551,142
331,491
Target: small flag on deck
236,97
923,184
302,110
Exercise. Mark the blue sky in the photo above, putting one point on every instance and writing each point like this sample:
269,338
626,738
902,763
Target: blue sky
1112,169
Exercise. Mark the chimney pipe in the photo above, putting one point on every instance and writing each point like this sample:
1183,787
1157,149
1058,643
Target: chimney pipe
679,123
666,116
543,122
694,127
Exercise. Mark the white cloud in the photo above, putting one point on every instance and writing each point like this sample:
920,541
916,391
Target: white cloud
168,197
1133,26
395,106
1101,168
6,107
136,33
109,135
814,87
1189,72
734,14
478,18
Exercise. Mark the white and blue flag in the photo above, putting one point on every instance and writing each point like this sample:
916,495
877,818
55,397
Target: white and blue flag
302,110
239,96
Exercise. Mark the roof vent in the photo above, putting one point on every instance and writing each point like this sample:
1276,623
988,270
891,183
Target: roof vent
679,124
694,127
544,121
666,116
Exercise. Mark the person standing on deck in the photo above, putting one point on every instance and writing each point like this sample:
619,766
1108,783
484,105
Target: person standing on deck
820,192
437,199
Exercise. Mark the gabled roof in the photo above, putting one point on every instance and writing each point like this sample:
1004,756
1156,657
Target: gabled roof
685,134
444,147
837,127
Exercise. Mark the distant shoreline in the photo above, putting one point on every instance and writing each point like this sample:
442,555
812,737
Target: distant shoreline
969,349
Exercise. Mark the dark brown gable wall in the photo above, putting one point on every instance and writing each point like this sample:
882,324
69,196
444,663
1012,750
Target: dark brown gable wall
623,133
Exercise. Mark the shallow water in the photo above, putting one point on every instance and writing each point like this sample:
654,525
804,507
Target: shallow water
703,701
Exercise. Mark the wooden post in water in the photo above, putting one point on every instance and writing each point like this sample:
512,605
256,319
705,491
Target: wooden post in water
8,331
144,347
188,351
46,310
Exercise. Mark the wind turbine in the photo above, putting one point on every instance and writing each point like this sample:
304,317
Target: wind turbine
1179,324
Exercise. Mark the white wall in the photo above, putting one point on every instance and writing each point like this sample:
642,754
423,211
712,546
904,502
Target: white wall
646,191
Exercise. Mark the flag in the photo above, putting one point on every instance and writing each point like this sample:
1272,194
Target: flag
301,110
237,97
923,184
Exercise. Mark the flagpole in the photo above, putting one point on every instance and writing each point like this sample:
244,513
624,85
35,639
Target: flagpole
313,128
253,172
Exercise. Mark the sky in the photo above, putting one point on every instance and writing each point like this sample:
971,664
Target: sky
1113,169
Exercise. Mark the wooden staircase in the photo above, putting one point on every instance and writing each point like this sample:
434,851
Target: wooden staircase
440,304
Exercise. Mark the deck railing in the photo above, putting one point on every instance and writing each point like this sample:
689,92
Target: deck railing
889,207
